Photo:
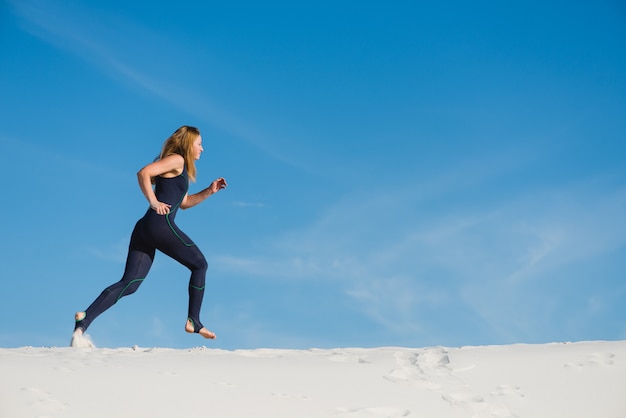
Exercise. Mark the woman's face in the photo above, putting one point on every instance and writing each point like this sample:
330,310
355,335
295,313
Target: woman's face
197,147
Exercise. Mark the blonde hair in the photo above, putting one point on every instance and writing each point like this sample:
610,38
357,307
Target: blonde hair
181,143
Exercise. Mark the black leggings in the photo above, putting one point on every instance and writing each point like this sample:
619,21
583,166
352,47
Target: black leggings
154,232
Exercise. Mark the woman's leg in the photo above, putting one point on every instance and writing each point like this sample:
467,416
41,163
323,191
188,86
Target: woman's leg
182,249
138,263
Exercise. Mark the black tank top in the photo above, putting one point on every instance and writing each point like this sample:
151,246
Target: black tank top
171,191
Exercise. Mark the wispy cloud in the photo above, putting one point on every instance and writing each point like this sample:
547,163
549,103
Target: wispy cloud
412,251
113,46
141,59
241,204
47,156
116,253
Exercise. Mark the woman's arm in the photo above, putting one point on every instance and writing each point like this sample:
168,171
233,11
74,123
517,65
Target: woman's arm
172,164
190,201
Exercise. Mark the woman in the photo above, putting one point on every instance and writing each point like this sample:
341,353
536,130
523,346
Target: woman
170,174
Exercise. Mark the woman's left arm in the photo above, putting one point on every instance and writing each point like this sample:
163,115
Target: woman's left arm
190,201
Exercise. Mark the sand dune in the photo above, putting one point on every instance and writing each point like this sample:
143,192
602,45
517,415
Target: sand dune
573,380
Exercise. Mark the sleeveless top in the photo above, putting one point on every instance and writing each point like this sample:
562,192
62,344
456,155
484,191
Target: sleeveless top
171,191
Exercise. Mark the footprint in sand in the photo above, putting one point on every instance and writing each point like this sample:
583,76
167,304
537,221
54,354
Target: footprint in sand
462,399
226,384
477,406
594,360
434,361
43,401
602,359
262,353
422,368
288,396
63,369
388,412
409,371
508,394
508,390
346,357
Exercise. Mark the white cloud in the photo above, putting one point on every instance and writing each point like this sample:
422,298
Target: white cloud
257,205
398,260
142,59
116,252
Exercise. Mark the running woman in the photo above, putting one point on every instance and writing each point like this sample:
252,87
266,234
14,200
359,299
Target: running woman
170,175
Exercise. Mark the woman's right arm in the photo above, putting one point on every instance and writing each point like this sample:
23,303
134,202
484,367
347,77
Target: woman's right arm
171,164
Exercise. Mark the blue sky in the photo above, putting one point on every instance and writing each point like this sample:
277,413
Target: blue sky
400,173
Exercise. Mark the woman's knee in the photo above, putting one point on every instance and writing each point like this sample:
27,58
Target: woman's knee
130,287
199,263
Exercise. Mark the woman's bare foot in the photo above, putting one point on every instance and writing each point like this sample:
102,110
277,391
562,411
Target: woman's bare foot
203,331
79,338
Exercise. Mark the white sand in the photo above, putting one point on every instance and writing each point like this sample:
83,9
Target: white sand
576,380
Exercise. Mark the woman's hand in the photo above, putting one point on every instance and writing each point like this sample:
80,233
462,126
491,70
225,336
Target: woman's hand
218,185
161,208
190,201
172,164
